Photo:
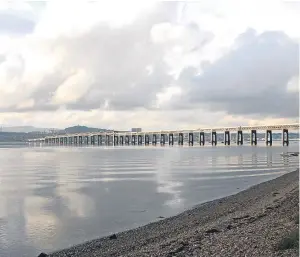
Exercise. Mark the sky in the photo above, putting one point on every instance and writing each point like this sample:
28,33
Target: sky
149,64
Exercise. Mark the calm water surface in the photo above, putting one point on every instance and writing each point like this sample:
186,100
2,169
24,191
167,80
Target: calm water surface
55,197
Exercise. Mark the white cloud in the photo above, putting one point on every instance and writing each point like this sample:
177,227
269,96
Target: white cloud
72,88
167,95
70,18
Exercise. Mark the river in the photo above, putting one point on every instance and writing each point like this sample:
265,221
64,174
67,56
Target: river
55,197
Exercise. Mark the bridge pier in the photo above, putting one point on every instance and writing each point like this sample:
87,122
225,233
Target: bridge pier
127,140
80,140
147,140
116,140
162,139
61,140
253,137
213,138
87,139
93,140
121,140
133,139
180,139
240,139
202,138
154,139
269,139
227,137
171,139
99,140
191,139
140,140
107,139
75,140
285,137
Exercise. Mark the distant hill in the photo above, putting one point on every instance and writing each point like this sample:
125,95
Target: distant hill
20,136
79,129
15,134
32,129
24,129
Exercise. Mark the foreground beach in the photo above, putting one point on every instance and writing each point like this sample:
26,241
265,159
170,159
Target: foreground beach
254,222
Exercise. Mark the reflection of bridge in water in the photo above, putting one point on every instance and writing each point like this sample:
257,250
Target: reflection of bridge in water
168,137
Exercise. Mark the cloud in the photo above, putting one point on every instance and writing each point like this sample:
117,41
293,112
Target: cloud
98,66
163,62
251,79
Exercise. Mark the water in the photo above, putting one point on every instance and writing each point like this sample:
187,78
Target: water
55,197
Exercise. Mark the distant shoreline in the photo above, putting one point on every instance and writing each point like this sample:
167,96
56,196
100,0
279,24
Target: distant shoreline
250,223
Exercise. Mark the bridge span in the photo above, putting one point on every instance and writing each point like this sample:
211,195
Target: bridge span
200,136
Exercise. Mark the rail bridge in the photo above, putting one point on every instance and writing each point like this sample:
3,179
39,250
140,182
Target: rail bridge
164,137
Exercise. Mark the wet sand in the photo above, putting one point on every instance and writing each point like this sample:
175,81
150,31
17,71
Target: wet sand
250,223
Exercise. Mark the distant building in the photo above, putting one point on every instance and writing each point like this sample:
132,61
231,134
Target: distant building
136,130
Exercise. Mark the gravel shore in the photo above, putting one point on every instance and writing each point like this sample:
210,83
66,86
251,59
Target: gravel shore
250,223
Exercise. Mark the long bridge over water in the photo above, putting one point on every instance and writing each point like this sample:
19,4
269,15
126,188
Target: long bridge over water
190,137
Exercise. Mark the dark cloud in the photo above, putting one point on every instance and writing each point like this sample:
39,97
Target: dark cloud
251,79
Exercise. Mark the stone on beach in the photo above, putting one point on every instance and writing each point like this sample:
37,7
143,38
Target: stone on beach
43,255
112,237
